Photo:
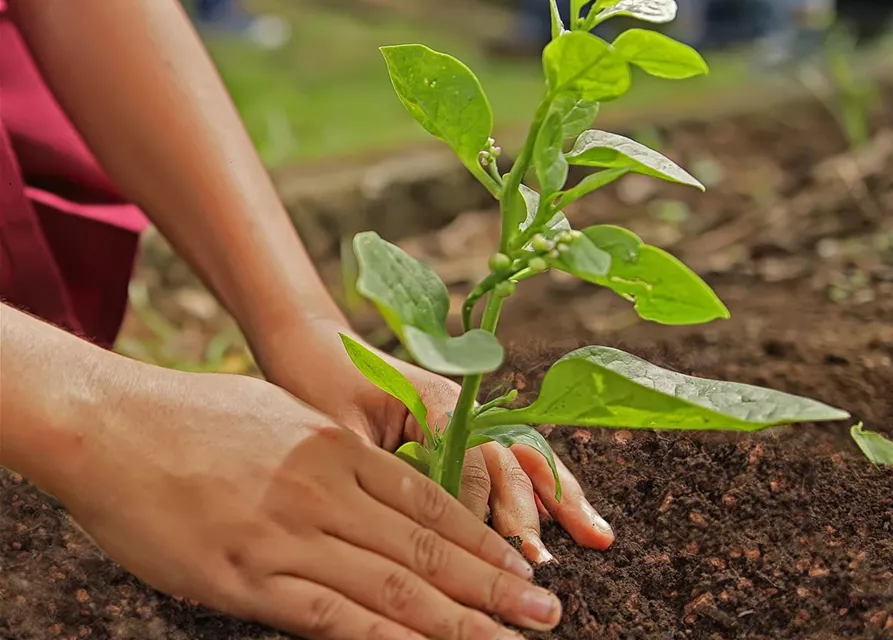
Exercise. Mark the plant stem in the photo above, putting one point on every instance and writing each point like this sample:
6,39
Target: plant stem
460,426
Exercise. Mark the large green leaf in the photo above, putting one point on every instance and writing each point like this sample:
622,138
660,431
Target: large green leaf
604,149
585,67
577,114
583,259
415,304
511,434
416,455
443,95
476,351
604,387
656,11
876,447
589,184
388,379
548,154
660,55
662,288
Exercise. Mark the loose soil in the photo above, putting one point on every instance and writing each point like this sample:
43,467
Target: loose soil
783,534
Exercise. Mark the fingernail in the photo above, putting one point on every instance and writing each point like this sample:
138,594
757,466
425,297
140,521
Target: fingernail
516,564
540,606
598,522
538,551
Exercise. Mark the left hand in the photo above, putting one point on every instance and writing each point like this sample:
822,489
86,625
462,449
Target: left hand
515,486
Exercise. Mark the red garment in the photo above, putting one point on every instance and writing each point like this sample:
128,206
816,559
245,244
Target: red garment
67,239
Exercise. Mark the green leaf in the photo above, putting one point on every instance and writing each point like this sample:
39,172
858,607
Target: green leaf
510,434
589,184
877,448
577,114
585,67
548,155
662,288
604,387
577,9
532,201
388,379
416,455
476,351
660,55
583,259
443,95
655,11
557,24
415,304
603,149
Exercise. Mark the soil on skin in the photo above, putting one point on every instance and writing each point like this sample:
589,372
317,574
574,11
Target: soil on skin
785,534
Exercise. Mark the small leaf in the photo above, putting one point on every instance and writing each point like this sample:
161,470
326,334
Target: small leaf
443,95
508,435
548,155
415,304
473,352
603,149
660,55
557,24
416,455
662,288
577,10
532,200
577,114
877,448
589,184
655,11
388,379
605,387
585,67
583,259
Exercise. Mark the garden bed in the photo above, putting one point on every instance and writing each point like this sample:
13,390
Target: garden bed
782,534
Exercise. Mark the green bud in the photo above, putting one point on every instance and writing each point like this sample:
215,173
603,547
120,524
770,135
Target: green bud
554,255
576,235
537,265
500,263
504,289
541,244
564,236
563,248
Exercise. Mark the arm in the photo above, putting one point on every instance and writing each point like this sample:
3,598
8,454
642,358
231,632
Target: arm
140,87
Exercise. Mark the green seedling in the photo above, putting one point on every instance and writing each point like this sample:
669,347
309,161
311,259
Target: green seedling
594,386
876,447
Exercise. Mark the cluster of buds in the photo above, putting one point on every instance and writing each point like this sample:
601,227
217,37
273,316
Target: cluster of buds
489,153
561,243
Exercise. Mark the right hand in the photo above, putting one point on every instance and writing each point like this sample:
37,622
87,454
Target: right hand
227,490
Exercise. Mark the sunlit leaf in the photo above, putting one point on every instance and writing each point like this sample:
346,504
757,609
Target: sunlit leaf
443,95
662,288
585,67
876,447
415,304
416,455
589,184
660,55
511,434
388,379
603,149
605,387
577,114
655,11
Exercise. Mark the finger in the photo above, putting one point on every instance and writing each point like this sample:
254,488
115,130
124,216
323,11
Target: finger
395,593
315,612
545,516
474,492
513,502
450,569
397,485
574,512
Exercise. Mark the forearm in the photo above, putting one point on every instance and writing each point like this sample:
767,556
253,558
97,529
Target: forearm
137,82
56,391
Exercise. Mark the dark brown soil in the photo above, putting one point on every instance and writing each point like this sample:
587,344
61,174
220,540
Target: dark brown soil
777,535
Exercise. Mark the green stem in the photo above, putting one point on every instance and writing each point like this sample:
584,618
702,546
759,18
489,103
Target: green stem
450,470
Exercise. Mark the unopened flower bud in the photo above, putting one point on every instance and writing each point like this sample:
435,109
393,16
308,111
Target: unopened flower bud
554,254
563,248
576,235
500,263
537,265
504,289
541,244
484,157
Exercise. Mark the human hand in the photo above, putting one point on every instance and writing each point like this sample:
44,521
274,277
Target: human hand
227,490
514,486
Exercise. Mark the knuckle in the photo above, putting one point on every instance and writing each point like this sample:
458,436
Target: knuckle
497,591
400,591
476,482
431,552
322,614
518,480
433,503
472,625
